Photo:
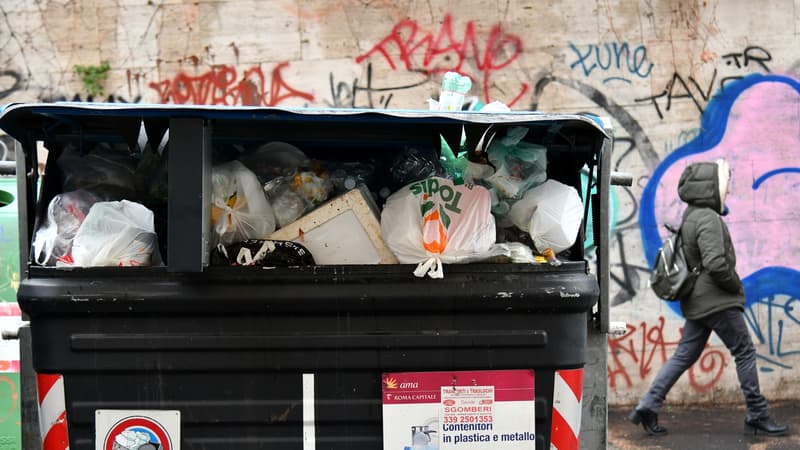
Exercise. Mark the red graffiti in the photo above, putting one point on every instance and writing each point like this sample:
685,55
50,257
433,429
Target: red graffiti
445,52
645,347
222,86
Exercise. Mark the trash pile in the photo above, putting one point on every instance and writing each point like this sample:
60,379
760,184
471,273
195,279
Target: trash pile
100,217
274,205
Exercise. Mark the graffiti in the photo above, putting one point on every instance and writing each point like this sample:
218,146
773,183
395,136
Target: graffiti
755,55
612,56
681,139
774,315
222,86
646,347
344,95
679,88
442,52
635,131
16,80
753,124
624,275
112,98
10,392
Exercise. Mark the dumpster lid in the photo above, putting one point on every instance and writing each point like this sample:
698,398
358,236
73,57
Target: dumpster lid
24,121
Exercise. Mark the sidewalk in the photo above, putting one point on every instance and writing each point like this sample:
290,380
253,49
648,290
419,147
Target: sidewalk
701,427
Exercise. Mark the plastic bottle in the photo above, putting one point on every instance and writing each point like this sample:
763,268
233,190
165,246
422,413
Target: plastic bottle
454,88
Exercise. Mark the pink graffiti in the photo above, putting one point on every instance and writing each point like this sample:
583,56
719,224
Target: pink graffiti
443,52
644,349
762,137
222,86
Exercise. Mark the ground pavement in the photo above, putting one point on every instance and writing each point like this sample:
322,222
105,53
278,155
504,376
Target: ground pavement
703,428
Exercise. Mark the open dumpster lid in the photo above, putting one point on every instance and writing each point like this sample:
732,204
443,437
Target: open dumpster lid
28,122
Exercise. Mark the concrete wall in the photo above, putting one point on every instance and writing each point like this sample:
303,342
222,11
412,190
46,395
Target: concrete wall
682,80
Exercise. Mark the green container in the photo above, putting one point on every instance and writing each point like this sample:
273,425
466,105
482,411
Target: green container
10,420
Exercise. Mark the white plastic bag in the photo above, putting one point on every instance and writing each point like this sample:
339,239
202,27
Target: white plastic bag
552,213
434,221
115,234
239,207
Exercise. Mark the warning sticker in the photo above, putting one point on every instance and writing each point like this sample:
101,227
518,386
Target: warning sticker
137,429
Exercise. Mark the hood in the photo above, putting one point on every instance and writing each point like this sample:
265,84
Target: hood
705,184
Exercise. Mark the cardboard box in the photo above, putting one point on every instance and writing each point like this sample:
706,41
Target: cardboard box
345,230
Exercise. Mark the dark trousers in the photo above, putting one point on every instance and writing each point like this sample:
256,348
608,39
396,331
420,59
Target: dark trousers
730,326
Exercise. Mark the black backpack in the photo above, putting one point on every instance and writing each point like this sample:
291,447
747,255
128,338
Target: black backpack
672,278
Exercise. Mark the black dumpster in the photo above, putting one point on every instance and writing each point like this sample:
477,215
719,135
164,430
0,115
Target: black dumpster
193,355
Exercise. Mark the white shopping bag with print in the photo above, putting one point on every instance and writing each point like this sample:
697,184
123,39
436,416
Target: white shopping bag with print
433,221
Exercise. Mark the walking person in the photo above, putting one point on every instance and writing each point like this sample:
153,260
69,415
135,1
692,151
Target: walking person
715,304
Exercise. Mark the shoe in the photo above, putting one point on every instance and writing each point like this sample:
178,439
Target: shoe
765,426
649,421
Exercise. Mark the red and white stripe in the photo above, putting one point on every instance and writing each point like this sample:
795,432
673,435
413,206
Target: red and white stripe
52,412
567,394
10,319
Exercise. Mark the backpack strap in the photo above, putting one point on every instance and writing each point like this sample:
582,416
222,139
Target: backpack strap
679,239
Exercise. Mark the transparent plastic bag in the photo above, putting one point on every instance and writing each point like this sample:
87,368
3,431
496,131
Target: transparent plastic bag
287,204
346,175
275,159
519,165
66,212
239,207
115,234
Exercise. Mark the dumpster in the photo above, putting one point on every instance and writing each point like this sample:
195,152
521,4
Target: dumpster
199,347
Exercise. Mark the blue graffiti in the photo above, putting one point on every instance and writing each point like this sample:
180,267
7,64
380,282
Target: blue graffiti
772,173
713,124
616,56
763,286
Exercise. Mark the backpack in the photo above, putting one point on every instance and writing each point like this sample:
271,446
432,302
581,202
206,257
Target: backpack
672,278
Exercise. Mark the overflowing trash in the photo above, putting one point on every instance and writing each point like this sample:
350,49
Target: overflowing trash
552,214
484,198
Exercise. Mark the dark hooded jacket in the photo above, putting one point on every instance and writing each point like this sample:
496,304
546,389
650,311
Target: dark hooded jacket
707,242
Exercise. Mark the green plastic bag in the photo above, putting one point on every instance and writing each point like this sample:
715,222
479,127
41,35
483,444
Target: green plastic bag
453,164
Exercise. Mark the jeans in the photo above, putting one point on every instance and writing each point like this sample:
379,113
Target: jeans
730,326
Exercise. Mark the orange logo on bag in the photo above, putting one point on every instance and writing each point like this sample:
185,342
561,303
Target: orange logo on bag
438,245
437,200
